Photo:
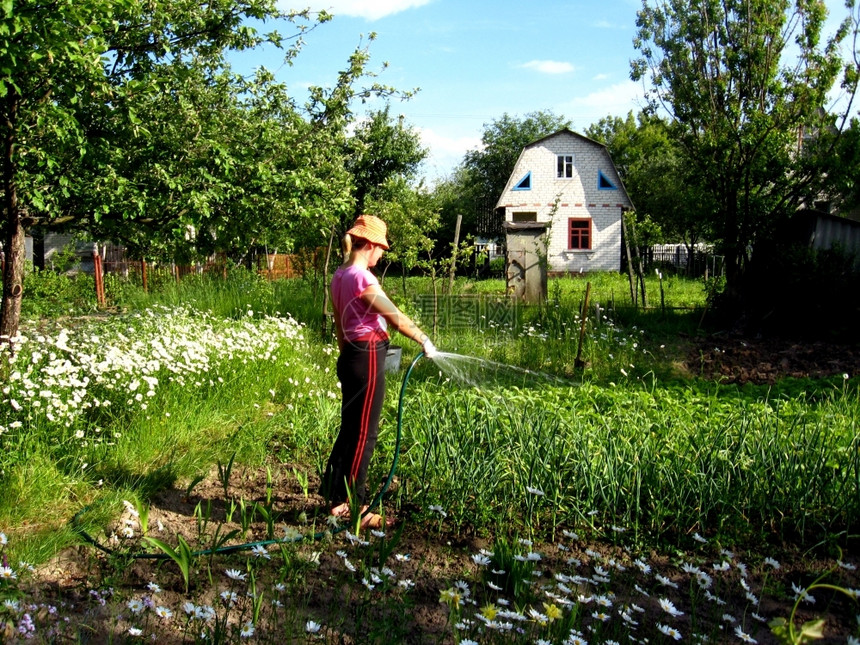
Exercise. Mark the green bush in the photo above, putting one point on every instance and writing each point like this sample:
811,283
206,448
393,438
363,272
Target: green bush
49,294
497,267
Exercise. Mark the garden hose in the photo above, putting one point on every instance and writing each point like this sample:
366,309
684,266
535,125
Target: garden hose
250,545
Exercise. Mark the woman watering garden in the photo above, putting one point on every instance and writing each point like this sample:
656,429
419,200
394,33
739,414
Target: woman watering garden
362,313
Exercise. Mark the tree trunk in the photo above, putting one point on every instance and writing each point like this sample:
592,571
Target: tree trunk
734,254
13,242
637,266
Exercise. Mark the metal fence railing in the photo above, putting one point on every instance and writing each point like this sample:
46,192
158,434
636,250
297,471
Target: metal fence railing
679,260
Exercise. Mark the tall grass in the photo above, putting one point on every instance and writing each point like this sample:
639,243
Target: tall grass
229,297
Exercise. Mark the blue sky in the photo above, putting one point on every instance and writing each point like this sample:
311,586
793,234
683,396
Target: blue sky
475,60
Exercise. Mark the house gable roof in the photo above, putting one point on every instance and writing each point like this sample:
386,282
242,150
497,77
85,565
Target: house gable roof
575,135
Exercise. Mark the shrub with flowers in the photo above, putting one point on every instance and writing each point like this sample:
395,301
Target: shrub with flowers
69,382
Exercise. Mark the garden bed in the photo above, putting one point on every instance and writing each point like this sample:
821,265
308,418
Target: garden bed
731,358
414,595
587,492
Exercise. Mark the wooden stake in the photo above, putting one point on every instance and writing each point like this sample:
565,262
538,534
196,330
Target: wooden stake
626,236
454,254
578,363
98,273
326,314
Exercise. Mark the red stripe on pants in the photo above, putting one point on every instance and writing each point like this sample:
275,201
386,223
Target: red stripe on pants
366,410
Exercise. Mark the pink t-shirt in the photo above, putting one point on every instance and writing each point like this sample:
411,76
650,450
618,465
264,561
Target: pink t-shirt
356,318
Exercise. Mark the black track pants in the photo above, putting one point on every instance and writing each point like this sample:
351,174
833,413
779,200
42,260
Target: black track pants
361,370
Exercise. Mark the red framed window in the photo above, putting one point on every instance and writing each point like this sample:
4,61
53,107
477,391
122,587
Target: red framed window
579,233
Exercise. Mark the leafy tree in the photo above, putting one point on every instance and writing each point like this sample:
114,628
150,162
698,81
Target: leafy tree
454,197
66,65
412,217
485,171
378,151
840,168
128,123
652,165
721,70
501,144
226,165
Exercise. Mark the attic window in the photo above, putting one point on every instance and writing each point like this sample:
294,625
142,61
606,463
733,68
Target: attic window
525,183
565,166
603,183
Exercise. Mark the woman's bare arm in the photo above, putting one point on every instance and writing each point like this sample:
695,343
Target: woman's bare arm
376,299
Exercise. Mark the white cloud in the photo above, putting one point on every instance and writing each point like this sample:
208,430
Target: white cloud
367,9
617,100
446,152
548,66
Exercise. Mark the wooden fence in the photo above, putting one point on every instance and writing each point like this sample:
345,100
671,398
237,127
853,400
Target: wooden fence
272,266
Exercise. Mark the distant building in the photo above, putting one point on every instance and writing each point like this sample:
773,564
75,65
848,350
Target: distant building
821,231
567,184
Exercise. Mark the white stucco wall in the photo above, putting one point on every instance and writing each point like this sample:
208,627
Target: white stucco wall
578,196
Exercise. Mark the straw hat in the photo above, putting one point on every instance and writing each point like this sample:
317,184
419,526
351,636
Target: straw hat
370,228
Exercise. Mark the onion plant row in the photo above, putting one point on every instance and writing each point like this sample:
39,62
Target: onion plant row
664,463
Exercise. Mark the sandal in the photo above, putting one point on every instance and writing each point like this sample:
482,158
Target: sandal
375,521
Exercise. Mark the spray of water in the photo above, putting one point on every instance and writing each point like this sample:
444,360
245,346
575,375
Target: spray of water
482,373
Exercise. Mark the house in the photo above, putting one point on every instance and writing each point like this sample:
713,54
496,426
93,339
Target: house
42,247
565,185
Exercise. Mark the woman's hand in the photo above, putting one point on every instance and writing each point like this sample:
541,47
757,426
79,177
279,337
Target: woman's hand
430,350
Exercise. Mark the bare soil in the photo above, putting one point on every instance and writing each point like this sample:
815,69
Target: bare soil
438,556
732,358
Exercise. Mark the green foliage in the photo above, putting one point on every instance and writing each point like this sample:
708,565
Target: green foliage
504,436
50,294
714,287
475,187
412,217
242,293
66,259
516,575
497,267
165,149
181,555
502,142
809,632
380,151
650,160
515,456
608,450
740,79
